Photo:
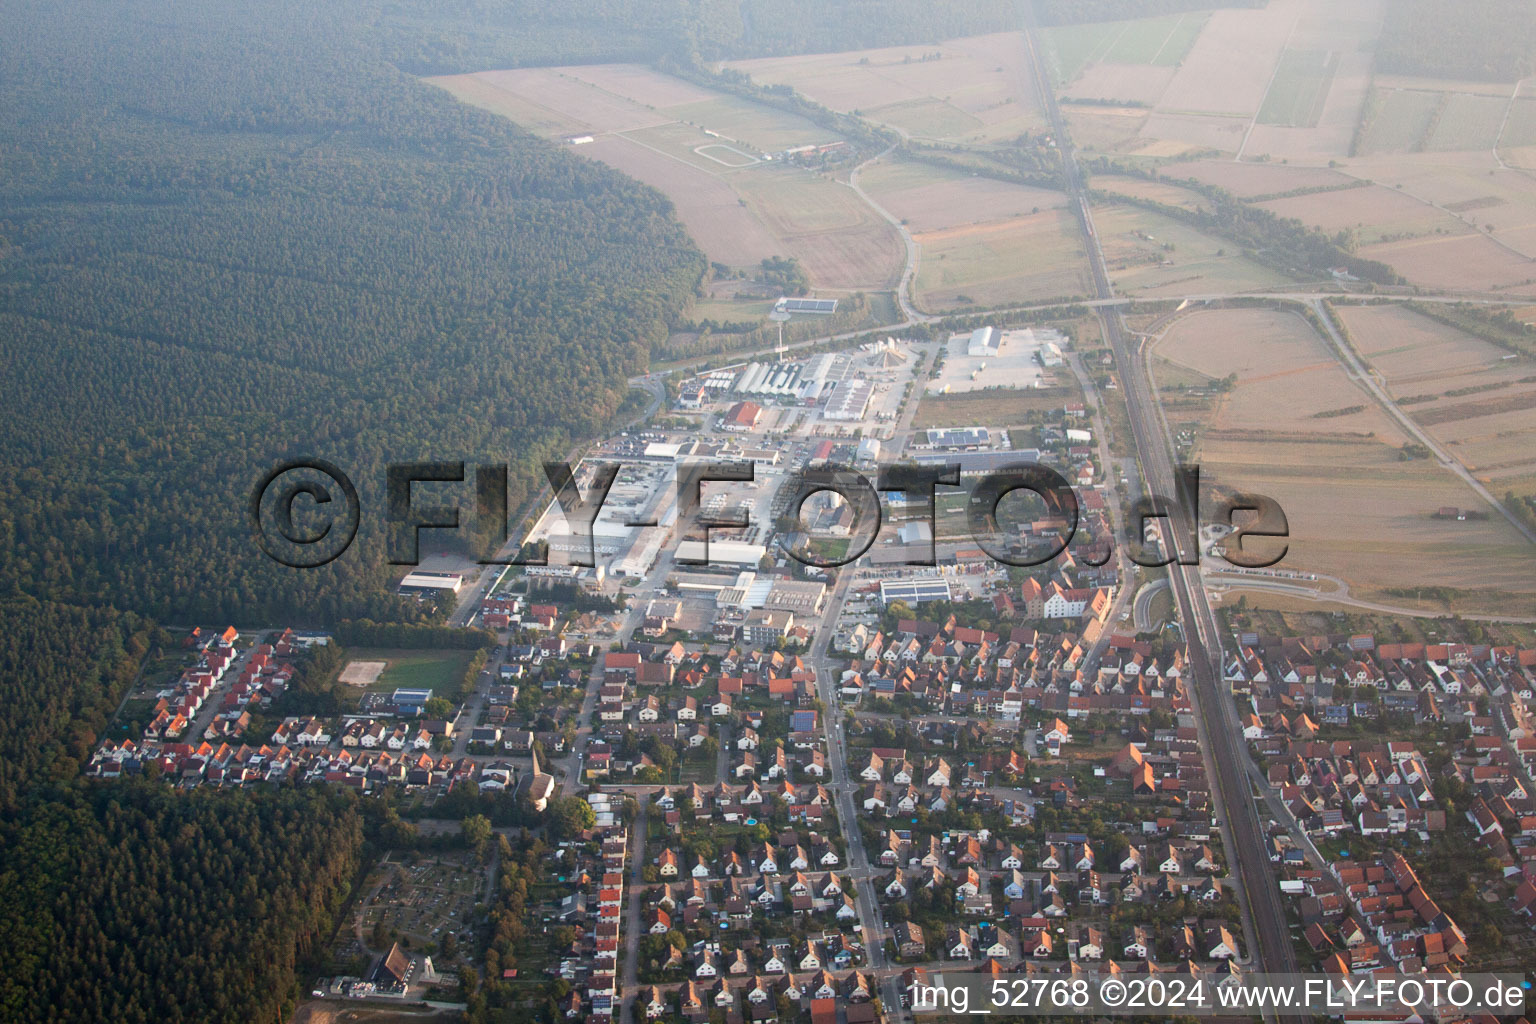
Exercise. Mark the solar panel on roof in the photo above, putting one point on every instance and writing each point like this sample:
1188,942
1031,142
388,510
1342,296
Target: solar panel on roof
789,305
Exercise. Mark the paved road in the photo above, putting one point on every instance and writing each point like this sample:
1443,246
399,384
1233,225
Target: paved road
1264,923
634,614
903,287
629,980
214,702
1141,610
843,788
1101,304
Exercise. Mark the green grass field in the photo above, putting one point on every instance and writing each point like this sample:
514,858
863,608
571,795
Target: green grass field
1299,89
438,670
1163,41
1037,258
1521,129
1180,39
1468,122
928,117
1404,115
731,310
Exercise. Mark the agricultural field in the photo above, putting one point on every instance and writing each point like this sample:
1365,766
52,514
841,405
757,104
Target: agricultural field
1374,212
1497,202
840,241
978,238
439,670
1402,120
998,408
926,197
714,155
978,89
1476,399
1150,254
1434,119
1464,263
1256,180
1294,427
1284,81
1296,94
1114,129
1468,122
1517,145
1153,191
1027,258
1156,42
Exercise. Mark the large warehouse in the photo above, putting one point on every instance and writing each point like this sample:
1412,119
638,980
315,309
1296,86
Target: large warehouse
849,400
423,584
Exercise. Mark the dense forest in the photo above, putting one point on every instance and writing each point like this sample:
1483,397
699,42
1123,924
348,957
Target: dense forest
233,238
1486,40
471,34
137,904
63,670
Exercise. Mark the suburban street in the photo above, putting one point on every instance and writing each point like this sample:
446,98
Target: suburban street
843,788
629,979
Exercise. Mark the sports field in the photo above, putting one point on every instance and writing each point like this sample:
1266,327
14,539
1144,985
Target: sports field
437,670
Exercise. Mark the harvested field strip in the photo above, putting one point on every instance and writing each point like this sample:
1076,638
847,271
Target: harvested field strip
1300,437
1293,371
1310,190
1475,410
1475,204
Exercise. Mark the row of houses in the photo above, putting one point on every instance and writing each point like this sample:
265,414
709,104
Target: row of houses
224,764
1039,938
592,965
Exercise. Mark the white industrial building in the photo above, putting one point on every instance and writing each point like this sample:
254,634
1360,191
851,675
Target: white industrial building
431,583
849,400
985,341
813,375
722,553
